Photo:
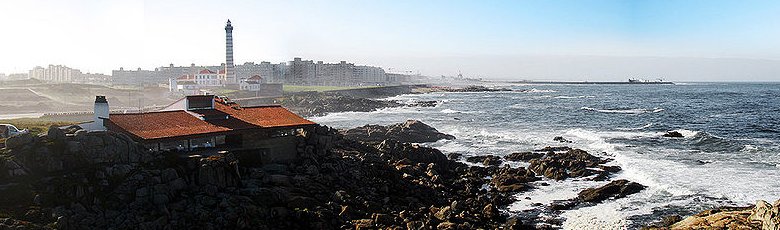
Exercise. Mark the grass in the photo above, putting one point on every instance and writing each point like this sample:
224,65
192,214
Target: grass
36,125
303,88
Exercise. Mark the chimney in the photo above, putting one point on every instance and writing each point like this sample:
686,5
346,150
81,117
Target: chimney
101,112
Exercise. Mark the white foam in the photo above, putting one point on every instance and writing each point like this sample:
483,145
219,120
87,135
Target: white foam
624,111
450,111
687,133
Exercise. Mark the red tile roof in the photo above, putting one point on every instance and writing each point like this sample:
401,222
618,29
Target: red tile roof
224,118
156,125
255,78
222,71
206,71
185,77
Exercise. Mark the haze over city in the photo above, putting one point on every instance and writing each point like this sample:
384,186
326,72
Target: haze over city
536,40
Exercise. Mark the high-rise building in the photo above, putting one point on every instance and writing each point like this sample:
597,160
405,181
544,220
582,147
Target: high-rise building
230,73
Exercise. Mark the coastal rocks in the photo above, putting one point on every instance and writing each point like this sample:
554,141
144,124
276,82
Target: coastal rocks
562,140
19,141
487,160
320,103
674,134
411,131
573,163
523,156
615,189
422,104
509,179
766,214
721,218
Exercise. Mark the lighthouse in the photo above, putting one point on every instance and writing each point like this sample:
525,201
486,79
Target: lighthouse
230,74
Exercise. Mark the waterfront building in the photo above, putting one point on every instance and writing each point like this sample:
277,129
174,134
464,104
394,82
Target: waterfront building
207,124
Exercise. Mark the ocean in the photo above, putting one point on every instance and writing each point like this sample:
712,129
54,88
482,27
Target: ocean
729,155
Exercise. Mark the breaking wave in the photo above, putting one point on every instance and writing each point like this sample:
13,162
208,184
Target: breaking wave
624,111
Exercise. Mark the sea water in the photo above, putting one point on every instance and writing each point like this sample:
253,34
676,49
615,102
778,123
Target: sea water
729,155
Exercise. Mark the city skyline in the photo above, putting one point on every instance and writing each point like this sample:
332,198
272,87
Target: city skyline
538,36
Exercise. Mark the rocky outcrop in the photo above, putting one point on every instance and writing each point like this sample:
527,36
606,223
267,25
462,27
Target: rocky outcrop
573,163
411,131
766,214
523,156
763,216
487,160
337,183
320,103
613,190
673,134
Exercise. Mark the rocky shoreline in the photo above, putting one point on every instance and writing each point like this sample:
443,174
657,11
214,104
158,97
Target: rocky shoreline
365,177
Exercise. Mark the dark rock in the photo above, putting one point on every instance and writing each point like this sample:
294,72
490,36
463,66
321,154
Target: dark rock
509,179
559,166
615,189
523,156
19,141
423,104
487,160
55,133
673,134
562,140
411,131
553,149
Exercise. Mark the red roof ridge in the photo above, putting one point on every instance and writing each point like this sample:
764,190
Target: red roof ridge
147,112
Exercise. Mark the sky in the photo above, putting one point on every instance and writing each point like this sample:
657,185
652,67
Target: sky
688,40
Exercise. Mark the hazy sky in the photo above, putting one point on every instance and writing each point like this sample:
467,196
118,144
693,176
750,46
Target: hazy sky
494,39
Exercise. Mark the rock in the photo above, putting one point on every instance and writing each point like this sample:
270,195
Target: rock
447,226
411,131
673,134
55,133
559,166
19,141
509,179
722,218
423,104
487,160
561,139
523,156
615,189
553,149
766,214
443,214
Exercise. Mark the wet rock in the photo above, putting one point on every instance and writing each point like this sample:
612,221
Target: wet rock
523,156
573,163
423,104
553,149
487,160
673,134
615,189
509,179
411,131
562,140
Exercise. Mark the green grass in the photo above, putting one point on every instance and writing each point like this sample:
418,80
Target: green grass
36,125
302,88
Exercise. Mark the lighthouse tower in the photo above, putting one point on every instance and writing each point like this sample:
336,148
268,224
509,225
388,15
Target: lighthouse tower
230,72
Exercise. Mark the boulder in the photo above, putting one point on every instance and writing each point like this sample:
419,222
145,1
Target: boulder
523,156
55,133
19,141
766,214
573,163
411,131
615,189
487,160
673,134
